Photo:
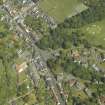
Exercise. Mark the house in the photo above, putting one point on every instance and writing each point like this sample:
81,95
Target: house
88,92
19,52
102,100
104,60
102,56
80,86
95,67
76,55
14,38
21,67
72,82
60,77
35,1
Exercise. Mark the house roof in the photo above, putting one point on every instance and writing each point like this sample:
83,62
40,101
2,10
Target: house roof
72,82
21,67
76,54
102,100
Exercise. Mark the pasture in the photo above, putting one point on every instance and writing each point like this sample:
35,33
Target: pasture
60,9
95,33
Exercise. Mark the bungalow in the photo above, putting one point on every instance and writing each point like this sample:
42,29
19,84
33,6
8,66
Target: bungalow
96,68
76,55
21,67
72,82
102,100
88,92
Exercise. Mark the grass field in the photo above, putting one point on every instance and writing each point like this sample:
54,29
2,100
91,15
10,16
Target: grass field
95,33
60,9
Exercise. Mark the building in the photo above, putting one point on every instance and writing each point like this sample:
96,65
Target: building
72,82
102,100
21,67
35,1
96,68
76,55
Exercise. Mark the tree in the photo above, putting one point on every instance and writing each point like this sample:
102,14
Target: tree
37,24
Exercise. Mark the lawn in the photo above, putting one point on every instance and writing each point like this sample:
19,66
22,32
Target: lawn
60,9
95,33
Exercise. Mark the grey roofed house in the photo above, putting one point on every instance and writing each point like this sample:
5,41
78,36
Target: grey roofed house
80,86
24,1
95,67
35,1
88,92
70,76
102,100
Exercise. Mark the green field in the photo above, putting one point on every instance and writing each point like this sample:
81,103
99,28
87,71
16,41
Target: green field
95,33
60,9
